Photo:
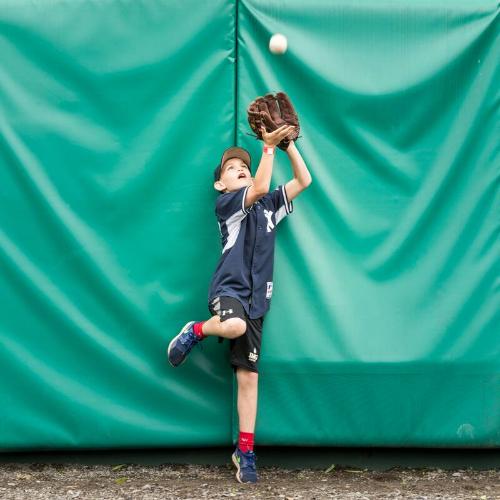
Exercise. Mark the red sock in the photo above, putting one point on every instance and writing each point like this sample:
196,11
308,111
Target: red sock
245,441
198,329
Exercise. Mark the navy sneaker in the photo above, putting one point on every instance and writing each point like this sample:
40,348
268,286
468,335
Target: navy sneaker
245,463
181,344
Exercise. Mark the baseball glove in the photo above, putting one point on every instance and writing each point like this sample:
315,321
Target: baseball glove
272,112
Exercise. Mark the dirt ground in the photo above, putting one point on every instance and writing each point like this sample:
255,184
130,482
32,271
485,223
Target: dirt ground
56,481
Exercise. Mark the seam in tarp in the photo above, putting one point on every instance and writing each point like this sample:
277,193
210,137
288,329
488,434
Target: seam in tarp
235,140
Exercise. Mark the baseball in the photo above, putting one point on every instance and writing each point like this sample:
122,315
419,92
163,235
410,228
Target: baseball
278,44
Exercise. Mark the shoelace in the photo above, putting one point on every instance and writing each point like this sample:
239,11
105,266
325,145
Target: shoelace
251,464
186,338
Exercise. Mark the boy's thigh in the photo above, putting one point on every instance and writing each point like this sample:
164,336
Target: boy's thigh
245,349
227,308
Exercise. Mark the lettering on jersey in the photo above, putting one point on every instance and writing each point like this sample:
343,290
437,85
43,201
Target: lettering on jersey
270,224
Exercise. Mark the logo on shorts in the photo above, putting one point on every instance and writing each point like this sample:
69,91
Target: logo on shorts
226,311
269,290
252,356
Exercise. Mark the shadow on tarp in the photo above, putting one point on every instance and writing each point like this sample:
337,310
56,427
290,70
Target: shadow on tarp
287,457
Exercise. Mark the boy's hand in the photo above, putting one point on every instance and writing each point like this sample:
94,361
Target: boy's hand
274,138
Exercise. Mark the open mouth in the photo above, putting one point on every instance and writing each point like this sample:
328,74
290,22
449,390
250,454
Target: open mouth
242,176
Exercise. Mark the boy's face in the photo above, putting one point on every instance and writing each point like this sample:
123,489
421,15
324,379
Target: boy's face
235,174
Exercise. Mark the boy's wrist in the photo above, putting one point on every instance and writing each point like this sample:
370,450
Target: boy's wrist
268,149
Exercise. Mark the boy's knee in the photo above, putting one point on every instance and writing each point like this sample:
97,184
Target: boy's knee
235,327
247,377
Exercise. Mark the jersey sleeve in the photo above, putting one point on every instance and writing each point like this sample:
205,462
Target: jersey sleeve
282,206
230,204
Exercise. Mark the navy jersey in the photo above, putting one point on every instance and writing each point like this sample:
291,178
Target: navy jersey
245,269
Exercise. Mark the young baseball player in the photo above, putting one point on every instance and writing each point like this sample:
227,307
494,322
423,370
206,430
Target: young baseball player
242,285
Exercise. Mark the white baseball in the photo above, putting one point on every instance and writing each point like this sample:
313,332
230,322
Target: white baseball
278,44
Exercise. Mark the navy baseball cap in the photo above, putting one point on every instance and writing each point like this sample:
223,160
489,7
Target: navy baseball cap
232,152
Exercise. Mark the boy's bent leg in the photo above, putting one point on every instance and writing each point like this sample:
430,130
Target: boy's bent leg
227,321
180,346
230,328
228,318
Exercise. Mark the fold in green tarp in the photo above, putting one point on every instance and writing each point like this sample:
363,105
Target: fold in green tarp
384,326
106,171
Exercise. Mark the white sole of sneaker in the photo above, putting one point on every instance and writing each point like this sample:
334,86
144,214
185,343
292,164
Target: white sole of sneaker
235,462
237,465
187,325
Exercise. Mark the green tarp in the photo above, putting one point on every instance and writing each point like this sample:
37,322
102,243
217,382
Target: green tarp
384,327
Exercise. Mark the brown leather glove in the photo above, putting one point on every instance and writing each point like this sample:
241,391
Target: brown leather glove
273,111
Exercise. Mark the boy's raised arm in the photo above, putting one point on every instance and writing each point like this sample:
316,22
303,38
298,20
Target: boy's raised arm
262,179
301,176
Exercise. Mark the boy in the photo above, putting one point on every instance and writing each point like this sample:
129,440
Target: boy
242,284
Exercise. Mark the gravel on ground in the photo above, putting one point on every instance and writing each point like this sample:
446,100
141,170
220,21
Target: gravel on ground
129,482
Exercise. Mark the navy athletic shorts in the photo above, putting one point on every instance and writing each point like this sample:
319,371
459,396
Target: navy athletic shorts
245,349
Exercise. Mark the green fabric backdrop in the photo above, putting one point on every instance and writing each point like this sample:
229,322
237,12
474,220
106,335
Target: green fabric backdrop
384,328
385,323
106,217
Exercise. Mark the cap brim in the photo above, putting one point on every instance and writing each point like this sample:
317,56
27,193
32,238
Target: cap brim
236,152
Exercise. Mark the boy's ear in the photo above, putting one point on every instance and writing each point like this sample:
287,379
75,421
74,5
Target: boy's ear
219,186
